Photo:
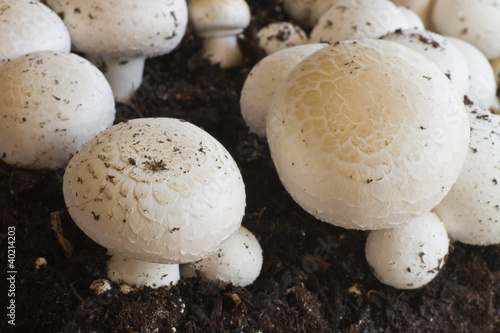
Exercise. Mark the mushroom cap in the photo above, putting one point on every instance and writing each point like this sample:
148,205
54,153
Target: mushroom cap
439,50
422,8
30,26
213,18
237,262
299,10
408,256
50,105
355,19
145,28
414,21
367,134
482,89
155,189
280,35
260,84
475,21
471,210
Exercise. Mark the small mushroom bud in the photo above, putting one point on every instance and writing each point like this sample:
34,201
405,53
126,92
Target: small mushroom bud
279,35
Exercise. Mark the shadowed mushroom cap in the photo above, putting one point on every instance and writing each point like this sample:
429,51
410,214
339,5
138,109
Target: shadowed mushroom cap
126,28
367,134
155,189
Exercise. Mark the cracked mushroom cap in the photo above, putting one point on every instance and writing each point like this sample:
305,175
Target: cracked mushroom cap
155,189
30,26
367,134
127,28
471,210
50,105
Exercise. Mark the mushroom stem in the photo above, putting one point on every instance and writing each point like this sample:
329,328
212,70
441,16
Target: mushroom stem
141,273
123,74
223,50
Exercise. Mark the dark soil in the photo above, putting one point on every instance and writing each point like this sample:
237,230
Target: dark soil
314,279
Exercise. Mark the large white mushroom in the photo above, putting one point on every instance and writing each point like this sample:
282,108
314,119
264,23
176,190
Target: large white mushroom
355,19
30,26
439,50
408,256
475,21
219,22
367,134
157,191
118,36
260,84
51,104
471,210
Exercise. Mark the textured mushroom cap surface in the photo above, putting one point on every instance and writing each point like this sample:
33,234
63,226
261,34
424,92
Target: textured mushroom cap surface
410,255
237,262
471,210
355,19
367,134
475,21
213,18
264,78
155,189
440,51
29,26
50,105
128,28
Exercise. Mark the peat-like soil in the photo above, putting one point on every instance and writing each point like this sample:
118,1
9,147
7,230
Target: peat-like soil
314,278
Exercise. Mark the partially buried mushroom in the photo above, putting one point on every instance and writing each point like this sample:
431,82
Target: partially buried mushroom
156,192
367,134
118,36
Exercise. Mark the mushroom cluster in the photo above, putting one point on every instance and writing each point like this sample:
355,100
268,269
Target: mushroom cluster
372,132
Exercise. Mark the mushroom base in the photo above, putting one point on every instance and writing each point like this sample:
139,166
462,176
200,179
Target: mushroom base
141,273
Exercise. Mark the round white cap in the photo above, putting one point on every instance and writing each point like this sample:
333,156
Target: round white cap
126,28
280,35
410,255
367,134
30,26
471,210
50,105
155,189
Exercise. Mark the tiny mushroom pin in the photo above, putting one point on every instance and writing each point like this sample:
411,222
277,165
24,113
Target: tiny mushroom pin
118,36
354,141
219,22
51,104
30,26
260,84
279,35
237,262
477,22
410,255
471,210
154,190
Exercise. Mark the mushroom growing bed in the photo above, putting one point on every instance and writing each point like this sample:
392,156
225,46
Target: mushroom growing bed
314,277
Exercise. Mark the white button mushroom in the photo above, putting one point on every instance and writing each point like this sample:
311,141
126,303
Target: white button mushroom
237,262
159,190
482,89
279,35
355,19
410,255
300,10
50,105
439,50
219,22
30,26
475,21
263,80
414,21
119,36
423,8
471,210
367,134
